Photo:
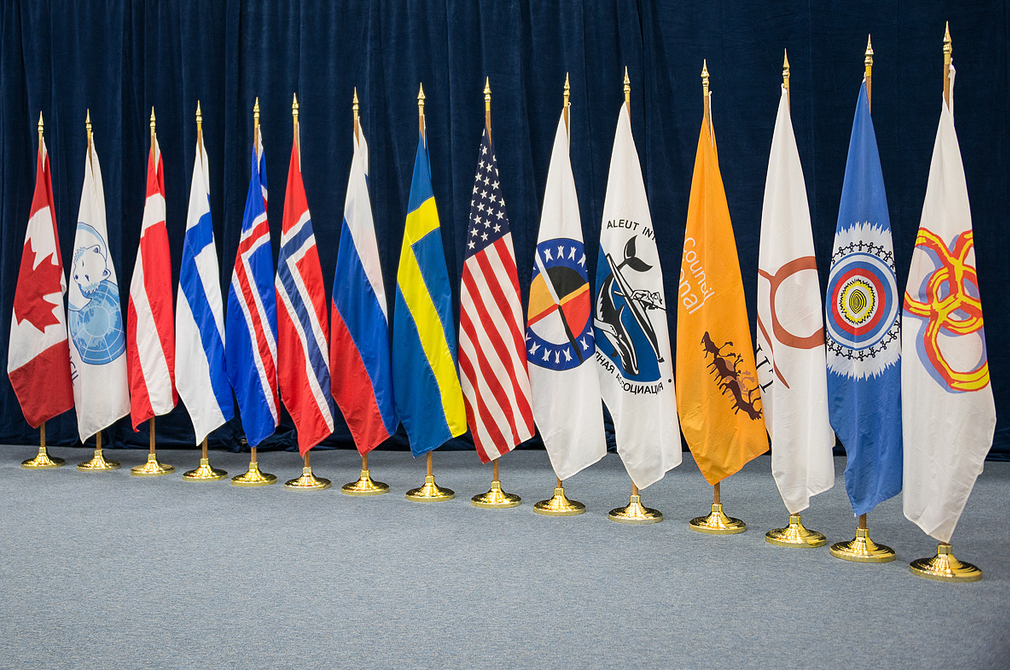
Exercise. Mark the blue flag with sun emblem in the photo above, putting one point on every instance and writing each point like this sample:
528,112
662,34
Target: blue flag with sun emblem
863,333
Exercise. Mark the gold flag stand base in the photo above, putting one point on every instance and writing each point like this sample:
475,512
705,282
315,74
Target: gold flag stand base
307,482
204,473
152,468
254,477
862,549
795,535
495,498
43,461
945,568
717,523
430,492
365,486
98,463
635,512
559,505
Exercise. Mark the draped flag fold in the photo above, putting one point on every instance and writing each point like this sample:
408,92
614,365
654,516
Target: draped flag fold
492,355
150,331
94,314
303,365
200,373
38,347
718,396
948,412
560,341
863,330
251,321
633,357
361,378
791,364
426,389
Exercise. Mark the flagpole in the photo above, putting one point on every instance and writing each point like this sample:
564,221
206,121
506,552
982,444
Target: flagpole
795,534
634,512
495,498
862,549
944,567
253,477
559,504
365,486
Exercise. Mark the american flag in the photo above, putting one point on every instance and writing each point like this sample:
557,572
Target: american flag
492,351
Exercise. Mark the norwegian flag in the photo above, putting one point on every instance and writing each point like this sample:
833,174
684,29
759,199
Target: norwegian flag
492,351
150,330
38,342
302,325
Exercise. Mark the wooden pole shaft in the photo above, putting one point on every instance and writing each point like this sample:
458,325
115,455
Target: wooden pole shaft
862,521
42,435
559,483
717,493
429,471
634,489
494,470
252,454
364,461
308,460
98,440
150,425
204,447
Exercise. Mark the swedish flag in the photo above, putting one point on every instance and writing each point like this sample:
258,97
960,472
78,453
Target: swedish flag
426,390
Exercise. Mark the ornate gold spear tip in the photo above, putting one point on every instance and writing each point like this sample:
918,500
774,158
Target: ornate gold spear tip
868,60
199,114
487,93
420,94
256,109
627,87
354,101
152,118
704,74
40,122
785,67
87,121
947,45
568,89
294,105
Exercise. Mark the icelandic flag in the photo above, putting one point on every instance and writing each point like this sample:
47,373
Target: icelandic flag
150,336
199,315
301,322
360,370
863,333
251,332
38,343
95,316
426,390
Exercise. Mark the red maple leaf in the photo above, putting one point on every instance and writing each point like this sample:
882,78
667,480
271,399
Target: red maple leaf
34,283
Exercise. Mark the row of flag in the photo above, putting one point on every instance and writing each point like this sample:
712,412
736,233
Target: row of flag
820,369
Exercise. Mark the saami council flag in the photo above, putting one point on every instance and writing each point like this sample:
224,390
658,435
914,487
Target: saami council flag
199,314
94,314
251,321
492,354
717,386
560,343
426,390
948,414
790,318
150,331
301,322
634,360
38,344
361,378
863,331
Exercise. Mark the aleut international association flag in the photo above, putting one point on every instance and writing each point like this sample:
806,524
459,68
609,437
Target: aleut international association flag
251,320
560,342
150,330
862,326
633,355
361,377
94,314
948,414
492,354
38,342
200,373
790,338
303,355
426,389
717,386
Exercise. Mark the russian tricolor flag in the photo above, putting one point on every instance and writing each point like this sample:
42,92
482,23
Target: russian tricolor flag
361,377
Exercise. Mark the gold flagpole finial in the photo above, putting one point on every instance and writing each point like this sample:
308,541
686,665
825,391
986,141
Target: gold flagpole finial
704,77
568,94
87,125
947,46
627,88
948,50
294,106
354,109
152,127
785,68
256,114
199,119
487,94
40,131
868,72
868,56
420,108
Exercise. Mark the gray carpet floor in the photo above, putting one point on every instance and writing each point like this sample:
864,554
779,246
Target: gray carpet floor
105,570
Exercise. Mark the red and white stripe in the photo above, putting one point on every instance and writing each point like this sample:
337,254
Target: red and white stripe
492,352
150,330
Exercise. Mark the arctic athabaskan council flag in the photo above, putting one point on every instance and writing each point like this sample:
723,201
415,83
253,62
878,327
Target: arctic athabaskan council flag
717,385
948,414
633,355
560,342
94,314
790,318
38,341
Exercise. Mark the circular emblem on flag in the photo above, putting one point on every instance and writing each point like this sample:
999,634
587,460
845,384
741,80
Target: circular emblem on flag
559,333
95,316
862,292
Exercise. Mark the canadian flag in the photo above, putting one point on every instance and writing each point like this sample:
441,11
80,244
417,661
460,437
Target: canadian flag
38,359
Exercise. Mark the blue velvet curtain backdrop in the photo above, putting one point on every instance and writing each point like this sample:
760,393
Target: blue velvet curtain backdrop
120,58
